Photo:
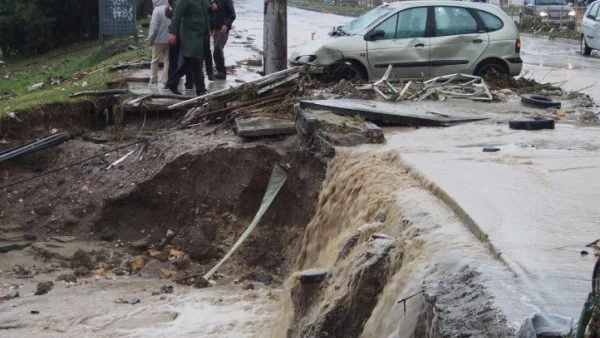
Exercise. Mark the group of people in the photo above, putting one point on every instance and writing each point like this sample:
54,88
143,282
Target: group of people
180,32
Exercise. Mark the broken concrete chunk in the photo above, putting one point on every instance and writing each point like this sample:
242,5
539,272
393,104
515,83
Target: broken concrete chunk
399,113
170,233
43,288
176,253
165,273
307,123
153,268
262,126
313,276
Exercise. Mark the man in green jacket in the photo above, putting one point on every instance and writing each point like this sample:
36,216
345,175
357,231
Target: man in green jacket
190,22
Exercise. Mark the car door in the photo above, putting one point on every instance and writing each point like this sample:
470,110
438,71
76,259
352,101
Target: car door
458,41
590,27
405,45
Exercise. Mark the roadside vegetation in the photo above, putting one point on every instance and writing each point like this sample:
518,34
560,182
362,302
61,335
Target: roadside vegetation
26,82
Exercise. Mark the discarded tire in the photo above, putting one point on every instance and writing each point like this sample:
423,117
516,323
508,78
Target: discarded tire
531,123
540,101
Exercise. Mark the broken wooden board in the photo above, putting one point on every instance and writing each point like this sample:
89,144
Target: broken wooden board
264,126
398,113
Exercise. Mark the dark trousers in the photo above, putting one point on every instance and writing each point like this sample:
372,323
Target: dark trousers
219,41
192,69
173,58
208,62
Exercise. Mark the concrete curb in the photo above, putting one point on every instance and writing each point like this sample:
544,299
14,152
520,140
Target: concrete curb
546,37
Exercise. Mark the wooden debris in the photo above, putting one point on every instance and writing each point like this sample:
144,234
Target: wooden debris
100,92
144,64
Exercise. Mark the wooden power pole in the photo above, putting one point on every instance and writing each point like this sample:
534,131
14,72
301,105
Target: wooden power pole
275,36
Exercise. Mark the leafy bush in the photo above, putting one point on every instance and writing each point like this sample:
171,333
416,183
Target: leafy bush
29,27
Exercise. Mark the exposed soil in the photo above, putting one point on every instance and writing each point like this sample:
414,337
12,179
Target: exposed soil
204,188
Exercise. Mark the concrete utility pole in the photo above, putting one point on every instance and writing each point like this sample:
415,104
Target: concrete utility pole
275,36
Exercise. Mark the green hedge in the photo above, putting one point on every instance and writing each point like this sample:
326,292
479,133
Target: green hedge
29,27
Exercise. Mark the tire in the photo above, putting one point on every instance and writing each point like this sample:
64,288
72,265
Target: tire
585,49
531,123
540,101
350,72
490,69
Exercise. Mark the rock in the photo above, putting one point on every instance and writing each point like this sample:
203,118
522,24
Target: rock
167,248
98,272
141,244
170,233
177,253
182,264
82,271
43,288
261,276
313,276
164,273
163,257
201,283
583,252
67,277
152,269
108,235
10,295
64,239
34,312
249,286
44,210
137,263
82,258
120,271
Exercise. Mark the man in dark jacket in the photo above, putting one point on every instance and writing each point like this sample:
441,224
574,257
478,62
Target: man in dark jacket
190,25
220,23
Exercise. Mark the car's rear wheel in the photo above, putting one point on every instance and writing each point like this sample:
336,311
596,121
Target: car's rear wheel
491,69
585,49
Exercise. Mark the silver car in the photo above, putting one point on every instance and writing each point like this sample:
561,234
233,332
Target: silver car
550,12
420,40
590,29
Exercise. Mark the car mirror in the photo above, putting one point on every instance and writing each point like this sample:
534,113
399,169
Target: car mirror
374,35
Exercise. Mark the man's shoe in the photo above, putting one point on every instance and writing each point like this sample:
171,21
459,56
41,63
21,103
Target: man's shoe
173,89
201,92
210,76
221,76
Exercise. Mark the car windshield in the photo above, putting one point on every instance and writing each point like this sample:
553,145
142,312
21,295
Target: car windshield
359,24
551,3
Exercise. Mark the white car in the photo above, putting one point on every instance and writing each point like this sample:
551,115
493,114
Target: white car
590,29
420,39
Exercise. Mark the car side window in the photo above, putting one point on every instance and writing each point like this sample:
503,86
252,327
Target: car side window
412,23
491,22
593,13
454,21
389,27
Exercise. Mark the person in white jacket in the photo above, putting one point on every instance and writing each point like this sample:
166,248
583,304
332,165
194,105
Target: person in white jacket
158,37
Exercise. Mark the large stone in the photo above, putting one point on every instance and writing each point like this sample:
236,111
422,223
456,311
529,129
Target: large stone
43,288
82,258
152,269
141,244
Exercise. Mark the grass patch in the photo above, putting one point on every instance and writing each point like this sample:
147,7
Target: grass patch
72,66
333,9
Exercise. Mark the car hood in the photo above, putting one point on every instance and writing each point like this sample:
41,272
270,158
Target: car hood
311,47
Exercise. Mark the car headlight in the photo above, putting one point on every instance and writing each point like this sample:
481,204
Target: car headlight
305,58
543,14
572,13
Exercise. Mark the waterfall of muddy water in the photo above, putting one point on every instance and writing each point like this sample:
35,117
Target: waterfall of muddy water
377,234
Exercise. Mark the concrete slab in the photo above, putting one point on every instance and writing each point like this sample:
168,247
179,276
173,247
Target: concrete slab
398,113
257,127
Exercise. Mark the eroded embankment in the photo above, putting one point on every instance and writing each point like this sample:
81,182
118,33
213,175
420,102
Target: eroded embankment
209,197
377,237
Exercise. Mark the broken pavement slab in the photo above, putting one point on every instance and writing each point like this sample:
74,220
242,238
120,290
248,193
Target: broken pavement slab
397,113
262,126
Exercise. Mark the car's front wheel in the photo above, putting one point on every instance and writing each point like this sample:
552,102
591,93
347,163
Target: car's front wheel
585,49
491,69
